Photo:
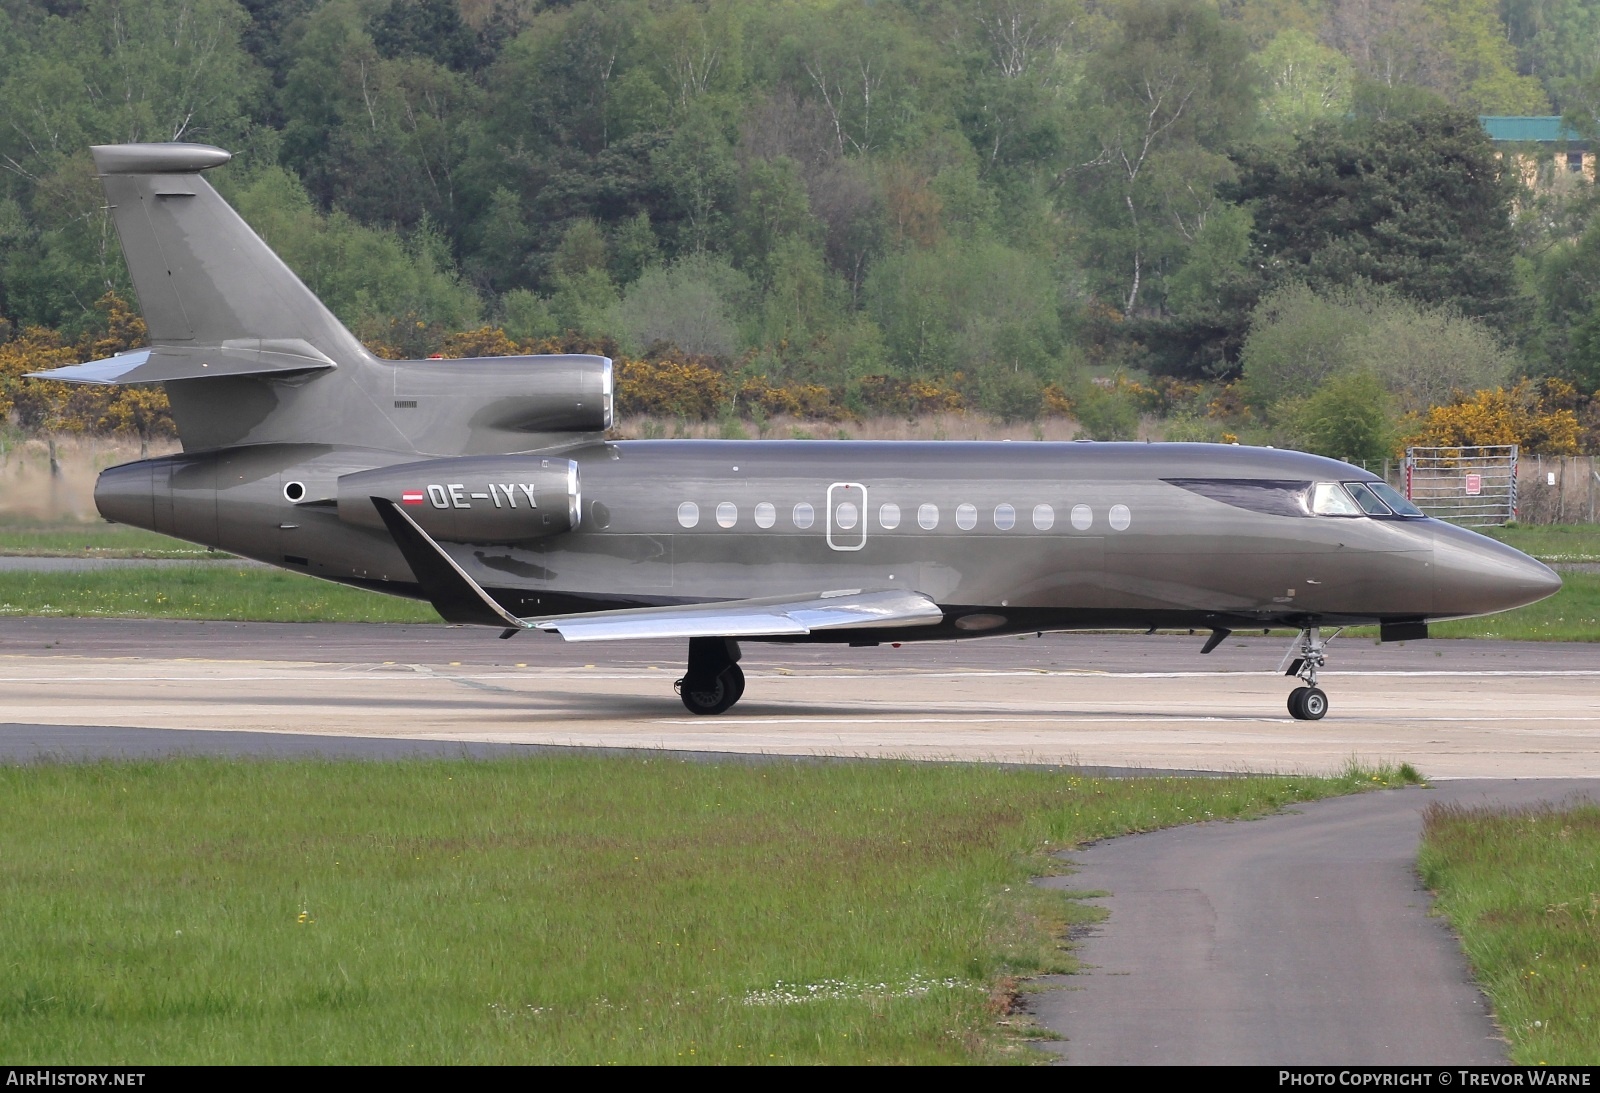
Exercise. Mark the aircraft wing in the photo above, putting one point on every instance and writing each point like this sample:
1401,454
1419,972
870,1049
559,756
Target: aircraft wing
458,598
847,609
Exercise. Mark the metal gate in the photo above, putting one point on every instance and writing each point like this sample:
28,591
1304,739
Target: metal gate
1474,486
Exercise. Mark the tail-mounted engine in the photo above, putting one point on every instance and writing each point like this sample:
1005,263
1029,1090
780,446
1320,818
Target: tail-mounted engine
473,499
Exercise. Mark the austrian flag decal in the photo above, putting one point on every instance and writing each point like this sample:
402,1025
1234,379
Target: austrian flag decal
411,497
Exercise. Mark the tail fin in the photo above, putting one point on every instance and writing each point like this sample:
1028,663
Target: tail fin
204,278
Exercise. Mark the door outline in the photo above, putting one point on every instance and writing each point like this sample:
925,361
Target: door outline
861,505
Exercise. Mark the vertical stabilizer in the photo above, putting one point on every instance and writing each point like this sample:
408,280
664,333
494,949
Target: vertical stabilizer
204,278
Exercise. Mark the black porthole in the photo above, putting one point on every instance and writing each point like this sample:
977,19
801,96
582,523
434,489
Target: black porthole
294,491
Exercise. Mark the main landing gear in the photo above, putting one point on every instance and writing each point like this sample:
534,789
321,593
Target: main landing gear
713,681
1305,657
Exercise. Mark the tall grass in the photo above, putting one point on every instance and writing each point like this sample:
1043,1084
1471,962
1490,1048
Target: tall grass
1522,888
545,910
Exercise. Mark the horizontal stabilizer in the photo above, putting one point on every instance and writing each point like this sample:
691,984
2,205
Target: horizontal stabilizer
252,357
773,617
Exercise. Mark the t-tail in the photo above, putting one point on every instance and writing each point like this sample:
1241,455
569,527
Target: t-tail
249,355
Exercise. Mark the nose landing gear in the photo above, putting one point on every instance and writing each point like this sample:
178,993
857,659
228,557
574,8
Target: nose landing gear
713,681
1305,657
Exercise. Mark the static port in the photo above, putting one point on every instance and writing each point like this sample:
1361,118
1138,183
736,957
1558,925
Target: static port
294,491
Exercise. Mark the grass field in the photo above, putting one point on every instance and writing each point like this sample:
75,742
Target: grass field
1552,544
1522,889
93,539
201,591
561,909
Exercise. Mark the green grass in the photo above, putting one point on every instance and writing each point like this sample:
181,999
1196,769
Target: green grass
1572,614
1522,889
200,591
95,539
1551,543
549,909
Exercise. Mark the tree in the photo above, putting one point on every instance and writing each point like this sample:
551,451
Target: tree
1419,203
1304,82
1348,419
1159,102
1302,340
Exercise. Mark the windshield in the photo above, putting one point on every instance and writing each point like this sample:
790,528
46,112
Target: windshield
1367,499
1329,499
1394,499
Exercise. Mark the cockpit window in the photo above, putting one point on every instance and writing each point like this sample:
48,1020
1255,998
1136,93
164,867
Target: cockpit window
1367,499
1270,496
1329,499
1395,499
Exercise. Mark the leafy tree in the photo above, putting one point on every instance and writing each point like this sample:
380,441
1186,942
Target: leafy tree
1417,203
692,304
1301,340
1159,102
432,29
966,307
1303,81
1347,418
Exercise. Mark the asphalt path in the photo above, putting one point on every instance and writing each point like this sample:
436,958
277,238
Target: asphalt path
1301,939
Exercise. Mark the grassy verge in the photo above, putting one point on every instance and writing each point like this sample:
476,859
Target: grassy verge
1572,614
1523,891
1552,543
549,909
95,539
209,591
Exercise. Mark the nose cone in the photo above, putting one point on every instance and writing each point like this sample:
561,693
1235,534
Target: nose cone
126,495
1474,575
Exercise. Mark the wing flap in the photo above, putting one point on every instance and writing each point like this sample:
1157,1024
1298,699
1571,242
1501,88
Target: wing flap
162,363
769,617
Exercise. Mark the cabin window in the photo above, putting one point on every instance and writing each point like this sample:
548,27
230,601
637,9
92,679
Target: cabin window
889,516
928,517
845,516
1394,499
1330,499
766,515
1119,517
1044,517
688,514
1082,518
1575,162
1005,517
727,514
966,517
804,515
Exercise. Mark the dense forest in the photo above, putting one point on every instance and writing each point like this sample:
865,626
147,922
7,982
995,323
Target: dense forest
1274,218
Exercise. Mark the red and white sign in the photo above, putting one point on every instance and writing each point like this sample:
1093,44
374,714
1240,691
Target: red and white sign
411,497
1474,485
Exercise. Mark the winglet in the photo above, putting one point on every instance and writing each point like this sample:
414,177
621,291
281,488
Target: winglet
455,595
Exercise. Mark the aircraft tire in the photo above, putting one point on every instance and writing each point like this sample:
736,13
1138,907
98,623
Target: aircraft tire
1313,704
1296,711
724,691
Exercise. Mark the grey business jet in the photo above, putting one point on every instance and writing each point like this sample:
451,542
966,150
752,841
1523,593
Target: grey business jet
488,488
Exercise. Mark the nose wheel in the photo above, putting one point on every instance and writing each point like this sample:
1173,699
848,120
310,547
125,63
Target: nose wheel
1305,657
714,681
1307,703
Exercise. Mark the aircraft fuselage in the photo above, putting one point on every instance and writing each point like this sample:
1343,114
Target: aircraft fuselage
1003,536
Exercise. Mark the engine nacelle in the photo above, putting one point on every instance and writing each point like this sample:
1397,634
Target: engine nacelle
471,499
